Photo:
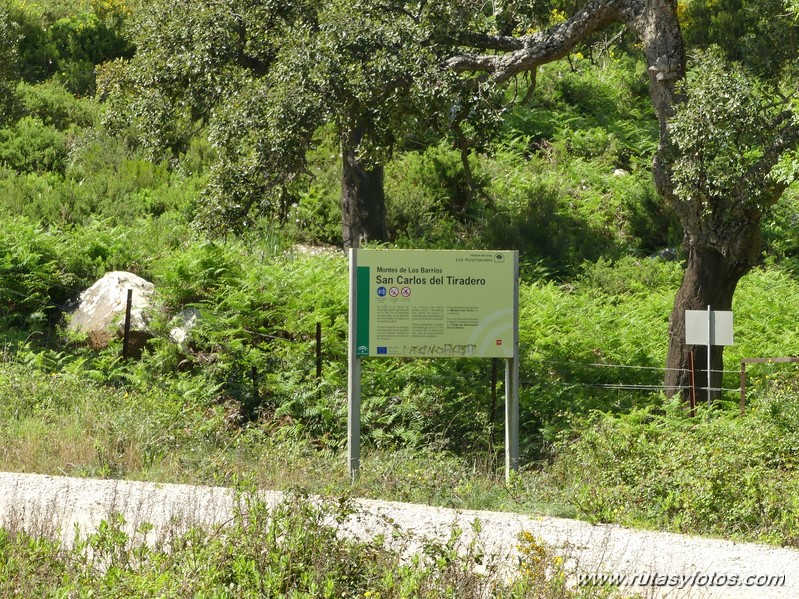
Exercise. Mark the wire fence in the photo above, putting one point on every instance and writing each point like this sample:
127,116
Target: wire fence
622,385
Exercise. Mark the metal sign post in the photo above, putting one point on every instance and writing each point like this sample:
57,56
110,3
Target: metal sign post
511,417
354,378
512,389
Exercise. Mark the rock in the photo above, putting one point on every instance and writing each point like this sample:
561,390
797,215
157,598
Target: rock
667,254
101,311
182,324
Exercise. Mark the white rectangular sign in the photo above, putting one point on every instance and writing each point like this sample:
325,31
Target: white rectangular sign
697,327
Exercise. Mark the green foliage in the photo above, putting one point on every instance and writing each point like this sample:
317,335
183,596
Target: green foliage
187,73
651,224
757,33
200,273
778,225
259,314
605,114
764,327
315,217
551,187
428,197
715,474
577,340
111,182
30,146
55,106
255,341
724,133
533,190
45,268
167,36
636,277
655,466
83,41
8,58
562,218
65,41
31,278
99,179
534,214
265,83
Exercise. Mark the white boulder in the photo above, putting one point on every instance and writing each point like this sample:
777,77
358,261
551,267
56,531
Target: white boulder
101,312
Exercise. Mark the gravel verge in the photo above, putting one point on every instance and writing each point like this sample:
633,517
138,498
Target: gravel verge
656,564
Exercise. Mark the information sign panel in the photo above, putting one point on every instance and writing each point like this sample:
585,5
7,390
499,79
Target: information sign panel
436,303
718,331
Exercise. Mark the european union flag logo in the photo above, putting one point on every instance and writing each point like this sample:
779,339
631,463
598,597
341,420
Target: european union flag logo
382,350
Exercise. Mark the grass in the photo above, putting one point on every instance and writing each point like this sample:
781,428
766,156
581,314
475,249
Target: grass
654,467
116,433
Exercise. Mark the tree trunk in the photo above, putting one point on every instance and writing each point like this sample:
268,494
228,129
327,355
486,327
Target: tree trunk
710,279
363,199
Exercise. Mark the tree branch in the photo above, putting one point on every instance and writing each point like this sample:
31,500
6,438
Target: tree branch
482,41
528,52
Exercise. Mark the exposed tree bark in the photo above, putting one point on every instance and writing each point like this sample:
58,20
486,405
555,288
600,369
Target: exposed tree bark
710,279
363,199
531,51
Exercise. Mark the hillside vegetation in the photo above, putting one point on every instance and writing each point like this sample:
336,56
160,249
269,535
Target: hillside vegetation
565,180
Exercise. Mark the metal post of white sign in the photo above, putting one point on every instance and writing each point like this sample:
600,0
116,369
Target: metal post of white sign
511,417
709,345
354,379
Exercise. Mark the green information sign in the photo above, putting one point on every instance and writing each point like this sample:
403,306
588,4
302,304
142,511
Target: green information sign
434,303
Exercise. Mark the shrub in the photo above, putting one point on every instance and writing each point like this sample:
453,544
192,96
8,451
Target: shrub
316,217
54,106
8,56
31,278
429,201
30,146
65,41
